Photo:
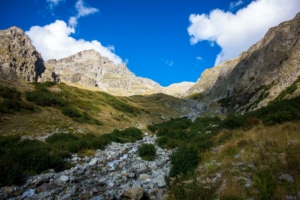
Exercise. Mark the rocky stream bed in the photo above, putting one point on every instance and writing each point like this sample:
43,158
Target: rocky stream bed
117,172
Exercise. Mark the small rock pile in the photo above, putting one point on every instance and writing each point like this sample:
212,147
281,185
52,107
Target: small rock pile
114,173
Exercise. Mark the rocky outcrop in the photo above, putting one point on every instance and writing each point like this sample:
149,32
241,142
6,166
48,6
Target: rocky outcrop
19,59
258,75
116,172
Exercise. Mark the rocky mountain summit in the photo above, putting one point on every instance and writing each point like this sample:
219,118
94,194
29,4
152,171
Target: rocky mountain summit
90,70
18,57
258,75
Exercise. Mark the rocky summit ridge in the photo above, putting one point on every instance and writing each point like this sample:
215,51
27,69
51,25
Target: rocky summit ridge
90,70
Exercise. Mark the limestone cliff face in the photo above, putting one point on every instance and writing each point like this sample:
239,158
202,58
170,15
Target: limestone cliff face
257,75
19,59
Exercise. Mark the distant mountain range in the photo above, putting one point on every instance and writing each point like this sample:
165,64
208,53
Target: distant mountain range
242,84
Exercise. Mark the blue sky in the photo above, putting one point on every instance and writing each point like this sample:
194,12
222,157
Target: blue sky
168,41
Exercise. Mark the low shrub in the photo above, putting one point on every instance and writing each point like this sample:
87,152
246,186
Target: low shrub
71,112
9,93
44,97
152,128
184,160
26,156
147,152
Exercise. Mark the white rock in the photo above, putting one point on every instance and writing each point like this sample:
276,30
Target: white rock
64,178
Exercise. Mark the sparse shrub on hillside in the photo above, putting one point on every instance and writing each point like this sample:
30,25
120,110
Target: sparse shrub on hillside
147,152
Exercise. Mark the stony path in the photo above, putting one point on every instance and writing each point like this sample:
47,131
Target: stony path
114,173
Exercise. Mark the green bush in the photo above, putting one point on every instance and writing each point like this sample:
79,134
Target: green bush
11,170
26,156
147,152
61,137
70,112
161,141
9,93
44,97
184,160
152,128
130,134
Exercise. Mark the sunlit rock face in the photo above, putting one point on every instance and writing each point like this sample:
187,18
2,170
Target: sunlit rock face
19,59
258,75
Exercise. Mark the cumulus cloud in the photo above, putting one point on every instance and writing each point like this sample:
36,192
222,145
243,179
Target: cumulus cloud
233,5
54,42
82,10
235,33
53,3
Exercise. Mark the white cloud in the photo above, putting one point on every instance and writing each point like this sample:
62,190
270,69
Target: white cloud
54,42
199,58
233,5
53,3
235,33
82,10
72,21
170,63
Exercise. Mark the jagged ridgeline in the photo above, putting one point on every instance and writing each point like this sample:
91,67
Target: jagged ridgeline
239,138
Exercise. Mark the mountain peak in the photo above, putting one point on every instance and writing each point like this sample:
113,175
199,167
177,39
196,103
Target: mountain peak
19,58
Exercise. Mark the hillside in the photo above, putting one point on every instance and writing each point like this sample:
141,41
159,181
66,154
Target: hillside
83,127
257,76
113,112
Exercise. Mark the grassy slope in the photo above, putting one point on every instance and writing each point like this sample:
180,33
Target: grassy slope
114,112
251,156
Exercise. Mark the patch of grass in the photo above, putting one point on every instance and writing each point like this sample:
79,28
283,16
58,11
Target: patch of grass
255,146
196,96
42,96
